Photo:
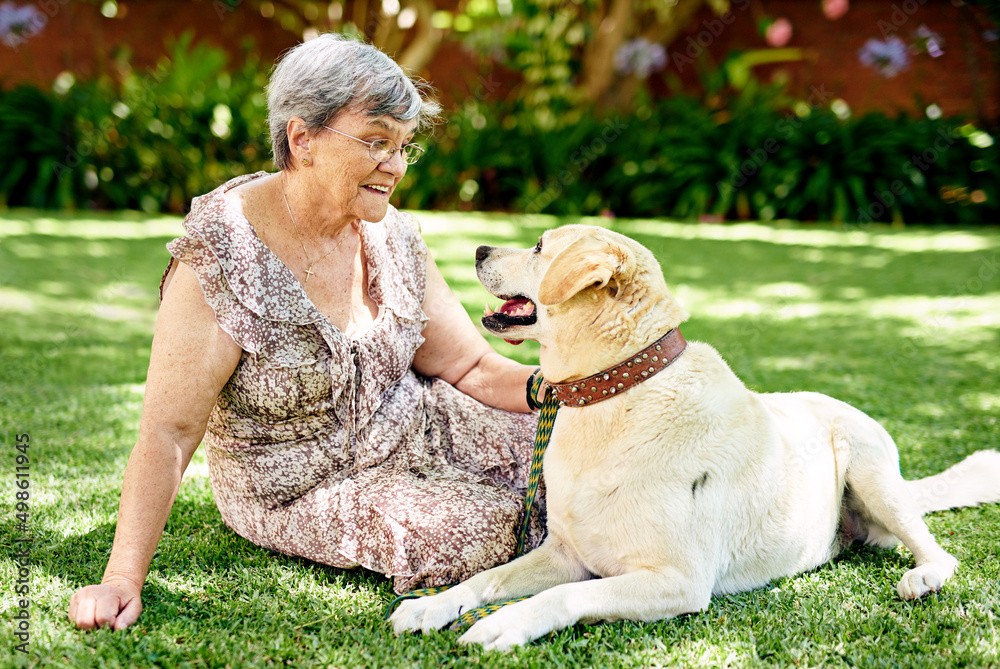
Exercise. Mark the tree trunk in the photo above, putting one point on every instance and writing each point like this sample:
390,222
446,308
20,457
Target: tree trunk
599,57
416,56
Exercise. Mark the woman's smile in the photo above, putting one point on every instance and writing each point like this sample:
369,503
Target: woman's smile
378,189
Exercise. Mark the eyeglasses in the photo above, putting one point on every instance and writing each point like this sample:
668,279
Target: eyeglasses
382,150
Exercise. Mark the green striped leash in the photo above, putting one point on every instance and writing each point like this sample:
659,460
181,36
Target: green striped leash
546,420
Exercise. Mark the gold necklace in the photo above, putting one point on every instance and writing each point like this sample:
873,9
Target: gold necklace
302,243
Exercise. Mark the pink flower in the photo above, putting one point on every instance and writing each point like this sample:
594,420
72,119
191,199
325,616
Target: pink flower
834,9
778,33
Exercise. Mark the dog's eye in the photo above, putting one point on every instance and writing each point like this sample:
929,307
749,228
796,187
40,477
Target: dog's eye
538,246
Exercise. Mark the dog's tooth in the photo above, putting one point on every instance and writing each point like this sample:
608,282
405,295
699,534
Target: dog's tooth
487,311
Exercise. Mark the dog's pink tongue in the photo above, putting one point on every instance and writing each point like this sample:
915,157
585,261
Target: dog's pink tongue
518,306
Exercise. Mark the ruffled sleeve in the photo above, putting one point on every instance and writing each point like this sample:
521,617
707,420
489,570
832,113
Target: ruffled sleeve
256,299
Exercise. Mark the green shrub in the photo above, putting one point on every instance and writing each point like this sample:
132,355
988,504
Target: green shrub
156,139
35,132
152,141
679,158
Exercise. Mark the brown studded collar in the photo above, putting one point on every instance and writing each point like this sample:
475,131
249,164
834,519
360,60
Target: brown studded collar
606,384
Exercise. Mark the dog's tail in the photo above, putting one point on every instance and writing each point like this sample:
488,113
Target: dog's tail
974,480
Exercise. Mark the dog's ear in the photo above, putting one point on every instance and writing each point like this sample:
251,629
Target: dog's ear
588,261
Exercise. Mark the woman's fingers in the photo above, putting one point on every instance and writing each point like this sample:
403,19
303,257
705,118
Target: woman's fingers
100,605
106,608
129,614
81,608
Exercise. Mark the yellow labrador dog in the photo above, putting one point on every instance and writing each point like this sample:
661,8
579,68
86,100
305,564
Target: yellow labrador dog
687,484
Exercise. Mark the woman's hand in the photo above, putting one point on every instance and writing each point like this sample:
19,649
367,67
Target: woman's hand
116,605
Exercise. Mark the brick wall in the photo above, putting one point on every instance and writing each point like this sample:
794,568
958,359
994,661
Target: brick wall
79,39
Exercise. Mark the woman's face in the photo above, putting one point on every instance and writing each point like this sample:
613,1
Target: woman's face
357,185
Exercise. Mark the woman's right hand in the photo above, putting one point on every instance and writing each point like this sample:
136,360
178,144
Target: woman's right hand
116,605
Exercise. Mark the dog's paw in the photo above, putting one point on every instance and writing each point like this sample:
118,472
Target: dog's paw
514,625
432,613
926,578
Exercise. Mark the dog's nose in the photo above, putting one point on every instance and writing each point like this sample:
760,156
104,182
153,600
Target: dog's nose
481,253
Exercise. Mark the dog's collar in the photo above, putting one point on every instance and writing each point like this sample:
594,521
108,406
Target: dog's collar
606,384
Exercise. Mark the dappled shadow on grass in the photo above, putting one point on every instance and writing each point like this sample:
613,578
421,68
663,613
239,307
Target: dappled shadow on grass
71,268
233,600
925,393
74,384
74,319
74,350
843,613
874,272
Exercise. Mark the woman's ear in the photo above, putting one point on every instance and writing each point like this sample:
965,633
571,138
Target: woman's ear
298,140
588,261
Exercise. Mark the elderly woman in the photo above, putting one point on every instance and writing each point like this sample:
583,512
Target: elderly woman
352,414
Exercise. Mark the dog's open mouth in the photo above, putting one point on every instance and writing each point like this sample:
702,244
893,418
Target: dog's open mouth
515,312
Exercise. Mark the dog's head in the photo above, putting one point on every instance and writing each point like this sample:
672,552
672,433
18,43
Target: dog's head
588,295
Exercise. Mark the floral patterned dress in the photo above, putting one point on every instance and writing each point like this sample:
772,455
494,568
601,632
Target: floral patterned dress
330,447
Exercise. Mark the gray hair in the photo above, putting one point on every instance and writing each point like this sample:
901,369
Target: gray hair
318,79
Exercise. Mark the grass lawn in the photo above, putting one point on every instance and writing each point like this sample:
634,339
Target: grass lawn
900,323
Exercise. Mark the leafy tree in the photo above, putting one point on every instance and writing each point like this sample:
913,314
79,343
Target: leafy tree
565,49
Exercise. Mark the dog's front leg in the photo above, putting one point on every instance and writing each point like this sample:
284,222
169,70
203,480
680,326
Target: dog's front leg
548,565
644,595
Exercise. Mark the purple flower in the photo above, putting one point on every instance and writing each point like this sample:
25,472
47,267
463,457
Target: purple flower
17,24
640,57
889,58
929,41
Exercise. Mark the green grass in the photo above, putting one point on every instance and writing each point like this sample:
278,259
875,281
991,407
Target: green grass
901,323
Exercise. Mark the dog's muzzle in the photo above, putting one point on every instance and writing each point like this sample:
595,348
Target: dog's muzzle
516,311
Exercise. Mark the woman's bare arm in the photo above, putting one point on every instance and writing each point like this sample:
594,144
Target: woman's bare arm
454,351
191,361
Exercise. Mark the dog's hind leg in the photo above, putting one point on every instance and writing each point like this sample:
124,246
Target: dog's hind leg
888,504
646,595
548,565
